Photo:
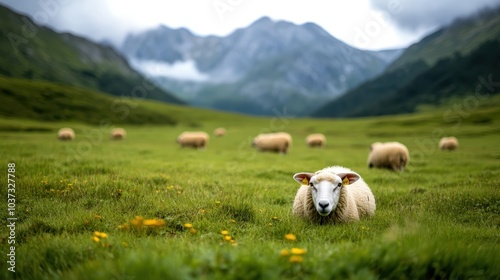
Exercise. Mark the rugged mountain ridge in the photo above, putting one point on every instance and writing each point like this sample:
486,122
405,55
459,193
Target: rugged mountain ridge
268,65
35,52
443,65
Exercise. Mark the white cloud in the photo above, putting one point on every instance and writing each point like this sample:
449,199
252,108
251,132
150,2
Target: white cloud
181,70
113,19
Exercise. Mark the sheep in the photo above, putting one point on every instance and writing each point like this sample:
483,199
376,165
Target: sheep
66,134
118,134
448,143
220,132
194,139
316,140
278,142
333,195
392,155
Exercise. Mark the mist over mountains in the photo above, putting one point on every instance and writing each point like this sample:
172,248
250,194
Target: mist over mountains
448,63
268,65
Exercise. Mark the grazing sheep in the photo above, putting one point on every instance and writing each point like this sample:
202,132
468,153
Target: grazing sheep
448,143
278,142
118,134
66,134
220,132
194,139
316,140
392,155
333,195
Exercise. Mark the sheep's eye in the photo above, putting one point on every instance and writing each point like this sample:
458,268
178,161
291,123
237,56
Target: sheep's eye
311,184
339,185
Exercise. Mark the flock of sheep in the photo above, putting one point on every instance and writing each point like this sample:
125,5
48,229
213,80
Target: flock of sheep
332,195
68,134
338,195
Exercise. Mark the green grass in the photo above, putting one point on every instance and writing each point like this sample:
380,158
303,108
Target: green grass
437,220
53,102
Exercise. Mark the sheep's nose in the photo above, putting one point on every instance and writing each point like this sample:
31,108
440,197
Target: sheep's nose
323,204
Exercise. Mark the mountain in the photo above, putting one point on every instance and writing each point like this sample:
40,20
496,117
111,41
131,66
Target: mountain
265,67
46,101
462,36
397,92
35,52
421,80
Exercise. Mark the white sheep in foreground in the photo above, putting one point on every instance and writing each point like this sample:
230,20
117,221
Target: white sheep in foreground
448,143
220,131
194,139
278,142
333,195
392,155
66,134
316,140
118,134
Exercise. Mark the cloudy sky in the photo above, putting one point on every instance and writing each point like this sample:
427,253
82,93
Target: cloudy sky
366,24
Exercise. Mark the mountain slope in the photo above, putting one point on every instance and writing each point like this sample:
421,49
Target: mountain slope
40,100
462,36
257,69
377,96
24,99
35,52
398,92
450,77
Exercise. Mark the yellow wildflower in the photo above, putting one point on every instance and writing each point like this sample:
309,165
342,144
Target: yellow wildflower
124,226
296,259
290,237
233,221
227,238
224,232
275,218
192,230
95,238
100,234
187,225
137,222
154,223
285,252
298,251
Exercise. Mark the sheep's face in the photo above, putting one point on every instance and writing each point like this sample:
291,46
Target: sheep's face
325,188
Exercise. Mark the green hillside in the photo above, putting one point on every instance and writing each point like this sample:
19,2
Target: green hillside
39,100
474,75
463,36
367,94
443,65
414,85
35,52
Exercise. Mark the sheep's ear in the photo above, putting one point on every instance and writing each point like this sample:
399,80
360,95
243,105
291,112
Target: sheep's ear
303,177
348,178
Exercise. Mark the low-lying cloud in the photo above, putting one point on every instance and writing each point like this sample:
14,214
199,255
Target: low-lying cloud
415,15
181,70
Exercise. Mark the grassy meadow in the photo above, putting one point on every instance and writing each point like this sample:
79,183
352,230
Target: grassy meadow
439,219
